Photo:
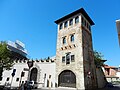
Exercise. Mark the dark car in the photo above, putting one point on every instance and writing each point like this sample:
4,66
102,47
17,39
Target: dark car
32,84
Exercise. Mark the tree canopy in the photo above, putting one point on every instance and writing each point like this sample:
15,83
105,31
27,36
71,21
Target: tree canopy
98,57
6,61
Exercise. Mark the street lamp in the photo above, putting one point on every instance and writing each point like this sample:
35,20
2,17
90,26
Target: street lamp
30,64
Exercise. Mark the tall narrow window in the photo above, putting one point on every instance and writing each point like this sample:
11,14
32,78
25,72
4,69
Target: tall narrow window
63,59
22,74
72,38
71,22
61,26
68,58
72,58
17,79
7,79
77,19
66,24
64,40
44,75
83,21
89,27
49,76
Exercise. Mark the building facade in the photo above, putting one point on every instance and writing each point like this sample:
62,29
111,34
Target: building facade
111,73
17,49
74,55
42,72
73,66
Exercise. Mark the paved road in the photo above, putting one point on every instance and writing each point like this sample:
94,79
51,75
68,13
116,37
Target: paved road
115,87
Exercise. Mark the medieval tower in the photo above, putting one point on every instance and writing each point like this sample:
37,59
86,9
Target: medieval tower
74,54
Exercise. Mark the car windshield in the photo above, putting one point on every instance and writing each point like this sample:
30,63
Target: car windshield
30,82
35,82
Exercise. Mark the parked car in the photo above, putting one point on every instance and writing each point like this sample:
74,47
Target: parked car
7,86
1,87
32,84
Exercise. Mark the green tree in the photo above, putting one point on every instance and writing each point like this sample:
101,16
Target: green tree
5,58
98,57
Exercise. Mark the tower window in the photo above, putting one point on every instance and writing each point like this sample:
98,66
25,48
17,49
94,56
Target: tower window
83,21
61,26
89,27
77,19
66,24
63,59
72,58
68,58
64,40
71,22
72,38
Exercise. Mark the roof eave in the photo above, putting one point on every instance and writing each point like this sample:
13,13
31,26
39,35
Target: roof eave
81,10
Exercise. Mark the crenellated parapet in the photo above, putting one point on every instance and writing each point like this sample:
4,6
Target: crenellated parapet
35,61
45,61
21,60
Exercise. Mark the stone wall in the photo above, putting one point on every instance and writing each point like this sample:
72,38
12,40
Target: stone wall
101,80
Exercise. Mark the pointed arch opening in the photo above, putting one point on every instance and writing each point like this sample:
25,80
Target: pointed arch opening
33,74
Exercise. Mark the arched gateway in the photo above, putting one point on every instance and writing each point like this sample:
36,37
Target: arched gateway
67,79
33,74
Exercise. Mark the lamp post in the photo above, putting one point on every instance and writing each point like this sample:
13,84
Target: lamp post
30,64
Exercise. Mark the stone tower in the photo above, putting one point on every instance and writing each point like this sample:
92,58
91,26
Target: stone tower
74,54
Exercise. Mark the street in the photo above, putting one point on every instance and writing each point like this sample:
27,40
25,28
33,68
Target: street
114,87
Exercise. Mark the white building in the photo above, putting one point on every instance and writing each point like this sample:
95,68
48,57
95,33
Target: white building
118,72
42,72
18,49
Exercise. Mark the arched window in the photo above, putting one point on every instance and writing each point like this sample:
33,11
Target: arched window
66,24
64,40
72,38
71,22
77,19
33,74
61,26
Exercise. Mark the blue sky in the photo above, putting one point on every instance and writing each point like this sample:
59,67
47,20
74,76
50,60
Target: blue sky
32,22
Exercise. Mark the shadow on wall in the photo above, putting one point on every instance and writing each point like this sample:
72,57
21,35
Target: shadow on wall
101,80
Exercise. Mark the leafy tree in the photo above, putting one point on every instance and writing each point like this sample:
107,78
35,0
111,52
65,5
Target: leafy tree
98,57
5,58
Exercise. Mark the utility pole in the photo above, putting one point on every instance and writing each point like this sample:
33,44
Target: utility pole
118,29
